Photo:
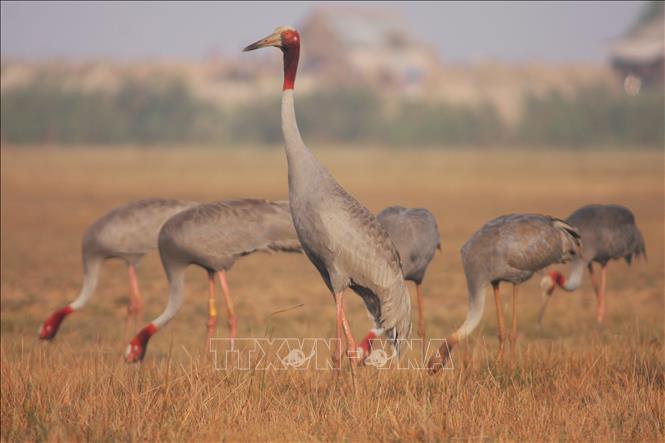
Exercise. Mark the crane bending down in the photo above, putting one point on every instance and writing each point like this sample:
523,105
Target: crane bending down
343,240
415,233
609,232
510,248
213,236
128,233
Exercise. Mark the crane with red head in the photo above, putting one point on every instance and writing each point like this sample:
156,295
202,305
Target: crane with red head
342,238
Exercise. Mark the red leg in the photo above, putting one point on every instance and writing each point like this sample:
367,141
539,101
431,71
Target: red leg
421,319
499,317
594,282
513,332
600,308
351,349
212,307
233,321
135,307
340,345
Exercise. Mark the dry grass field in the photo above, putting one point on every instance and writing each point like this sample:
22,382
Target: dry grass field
569,380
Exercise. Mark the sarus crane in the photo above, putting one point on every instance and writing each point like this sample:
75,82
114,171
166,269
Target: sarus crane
609,232
342,238
213,236
509,248
127,232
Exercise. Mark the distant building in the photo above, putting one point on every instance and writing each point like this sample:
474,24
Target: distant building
348,45
639,55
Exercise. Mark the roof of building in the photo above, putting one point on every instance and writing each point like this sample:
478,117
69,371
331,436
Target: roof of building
644,44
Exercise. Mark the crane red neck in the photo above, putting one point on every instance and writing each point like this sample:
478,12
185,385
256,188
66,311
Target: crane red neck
291,51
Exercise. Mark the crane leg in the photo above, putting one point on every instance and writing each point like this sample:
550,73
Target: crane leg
513,331
421,320
135,306
594,281
600,295
340,339
546,299
212,308
351,349
343,329
499,317
233,321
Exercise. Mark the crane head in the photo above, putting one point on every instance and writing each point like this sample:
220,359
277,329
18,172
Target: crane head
136,349
284,37
550,281
50,327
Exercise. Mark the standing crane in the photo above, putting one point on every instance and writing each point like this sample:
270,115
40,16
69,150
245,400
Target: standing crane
510,248
213,236
344,241
609,232
128,233
415,233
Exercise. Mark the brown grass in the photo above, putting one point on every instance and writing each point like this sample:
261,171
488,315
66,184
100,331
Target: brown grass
569,380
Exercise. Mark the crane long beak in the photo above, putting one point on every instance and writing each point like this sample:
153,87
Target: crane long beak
272,40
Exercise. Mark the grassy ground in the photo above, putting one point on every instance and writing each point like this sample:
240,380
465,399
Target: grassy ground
569,380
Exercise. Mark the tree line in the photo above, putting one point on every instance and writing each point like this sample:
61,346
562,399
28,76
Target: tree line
145,113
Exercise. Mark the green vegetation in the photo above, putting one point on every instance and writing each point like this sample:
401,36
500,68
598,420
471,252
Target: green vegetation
166,112
594,116
139,112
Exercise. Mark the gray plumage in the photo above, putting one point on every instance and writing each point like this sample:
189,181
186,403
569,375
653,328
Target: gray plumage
128,233
609,232
510,248
415,234
213,236
342,238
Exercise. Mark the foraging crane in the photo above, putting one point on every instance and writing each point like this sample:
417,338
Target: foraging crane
510,248
609,232
415,233
343,240
213,236
127,232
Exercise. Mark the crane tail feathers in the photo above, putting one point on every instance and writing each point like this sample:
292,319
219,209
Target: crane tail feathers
566,227
390,309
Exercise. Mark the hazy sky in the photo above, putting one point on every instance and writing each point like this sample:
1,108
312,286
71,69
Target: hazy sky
461,31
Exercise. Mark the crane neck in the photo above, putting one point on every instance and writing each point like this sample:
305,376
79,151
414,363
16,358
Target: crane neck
176,278
91,268
474,314
291,57
292,139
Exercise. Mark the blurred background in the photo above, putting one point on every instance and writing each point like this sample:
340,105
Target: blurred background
569,75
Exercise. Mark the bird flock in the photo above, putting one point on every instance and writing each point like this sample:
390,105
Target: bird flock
350,247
